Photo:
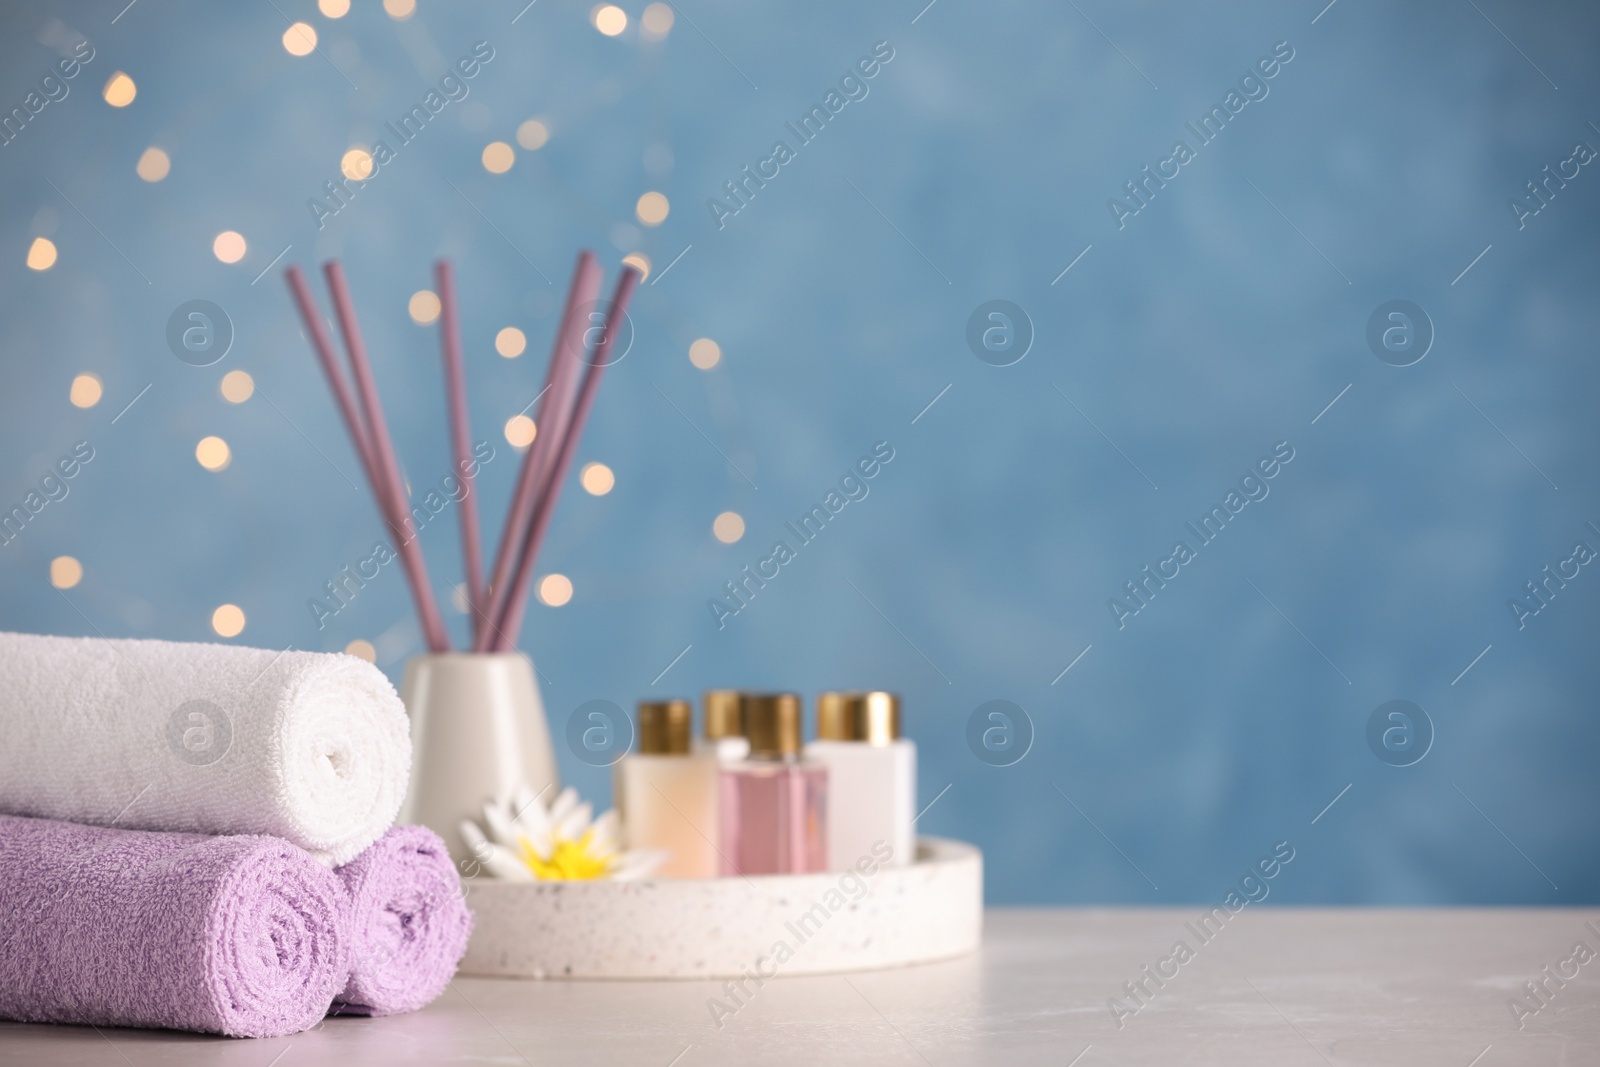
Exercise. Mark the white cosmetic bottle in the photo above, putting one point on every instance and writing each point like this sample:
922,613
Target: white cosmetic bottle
872,776
667,794
722,734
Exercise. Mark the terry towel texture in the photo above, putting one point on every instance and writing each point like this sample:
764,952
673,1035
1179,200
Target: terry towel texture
408,923
311,747
233,935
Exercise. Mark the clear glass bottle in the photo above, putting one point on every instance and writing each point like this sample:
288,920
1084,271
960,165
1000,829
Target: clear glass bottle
722,726
774,804
872,777
667,794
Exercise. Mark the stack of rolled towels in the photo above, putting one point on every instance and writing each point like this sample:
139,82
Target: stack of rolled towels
201,837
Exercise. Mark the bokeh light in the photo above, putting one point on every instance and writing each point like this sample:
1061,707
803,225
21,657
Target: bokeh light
640,262
555,590
520,431
237,386
400,10
334,9
86,391
423,306
362,649
657,20
300,39
120,90
609,19
510,342
213,453
652,209
597,479
532,135
42,253
153,165
728,527
498,157
229,246
705,353
356,164
65,572
228,620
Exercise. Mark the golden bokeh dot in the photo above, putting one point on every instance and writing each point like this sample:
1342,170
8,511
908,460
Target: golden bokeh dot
657,20
120,90
705,353
65,572
424,306
213,453
532,135
42,253
597,479
237,386
520,431
510,342
609,19
356,164
728,527
498,157
652,209
86,391
229,246
334,9
640,262
555,590
228,620
400,10
361,649
300,39
153,165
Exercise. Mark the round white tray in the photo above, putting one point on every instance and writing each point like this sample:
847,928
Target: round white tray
728,927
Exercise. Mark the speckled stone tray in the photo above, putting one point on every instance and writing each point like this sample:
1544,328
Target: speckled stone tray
764,925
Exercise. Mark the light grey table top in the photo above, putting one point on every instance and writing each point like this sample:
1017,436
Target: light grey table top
1411,988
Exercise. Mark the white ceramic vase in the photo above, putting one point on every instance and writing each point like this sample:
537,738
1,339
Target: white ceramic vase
478,729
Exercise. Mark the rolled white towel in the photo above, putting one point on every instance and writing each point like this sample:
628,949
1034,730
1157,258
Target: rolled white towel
312,747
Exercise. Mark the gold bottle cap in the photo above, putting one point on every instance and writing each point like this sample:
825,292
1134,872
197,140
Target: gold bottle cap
723,717
871,717
664,727
772,723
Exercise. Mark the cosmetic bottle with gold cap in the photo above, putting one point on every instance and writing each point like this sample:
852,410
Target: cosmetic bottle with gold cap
872,776
774,803
667,793
722,731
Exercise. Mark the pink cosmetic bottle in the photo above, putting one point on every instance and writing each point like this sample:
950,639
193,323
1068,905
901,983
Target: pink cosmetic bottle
775,803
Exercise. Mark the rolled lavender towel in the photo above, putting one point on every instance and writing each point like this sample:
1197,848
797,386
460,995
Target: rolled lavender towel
311,747
408,923
231,935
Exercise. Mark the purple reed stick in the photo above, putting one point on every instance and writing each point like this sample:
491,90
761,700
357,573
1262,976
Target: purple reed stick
384,461
554,401
511,622
455,381
322,344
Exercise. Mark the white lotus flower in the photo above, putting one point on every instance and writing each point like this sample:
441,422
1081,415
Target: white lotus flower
527,842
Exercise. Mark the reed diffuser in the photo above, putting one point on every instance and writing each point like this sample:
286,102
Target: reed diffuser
478,727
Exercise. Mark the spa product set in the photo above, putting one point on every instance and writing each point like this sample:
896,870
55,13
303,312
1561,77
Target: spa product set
750,797
201,837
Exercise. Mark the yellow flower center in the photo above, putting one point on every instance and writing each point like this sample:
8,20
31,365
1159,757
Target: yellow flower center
569,860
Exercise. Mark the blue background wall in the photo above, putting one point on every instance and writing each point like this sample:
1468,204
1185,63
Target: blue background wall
1209,328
